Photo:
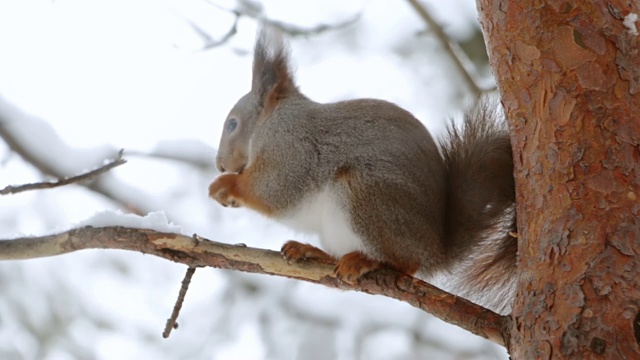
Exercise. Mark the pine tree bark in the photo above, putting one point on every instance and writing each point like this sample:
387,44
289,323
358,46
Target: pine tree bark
569,76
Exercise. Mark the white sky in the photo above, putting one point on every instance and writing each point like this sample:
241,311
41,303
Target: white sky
117,63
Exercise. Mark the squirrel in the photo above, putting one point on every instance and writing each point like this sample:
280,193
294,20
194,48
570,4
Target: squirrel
368,178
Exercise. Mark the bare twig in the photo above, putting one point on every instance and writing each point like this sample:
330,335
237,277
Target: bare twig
27,154
11,189
210,42
294,30
176,158
254,11
205,163
452,49
31,156
171,322
195,251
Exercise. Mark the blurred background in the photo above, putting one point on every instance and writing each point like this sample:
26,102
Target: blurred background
80,80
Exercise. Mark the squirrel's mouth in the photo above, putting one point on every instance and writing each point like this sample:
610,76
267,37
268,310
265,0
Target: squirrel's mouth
223,170
230,165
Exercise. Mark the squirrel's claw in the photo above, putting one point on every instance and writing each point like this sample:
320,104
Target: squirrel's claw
352,266
349,268
294,251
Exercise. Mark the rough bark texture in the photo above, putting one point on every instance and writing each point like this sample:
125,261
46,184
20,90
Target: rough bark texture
569,76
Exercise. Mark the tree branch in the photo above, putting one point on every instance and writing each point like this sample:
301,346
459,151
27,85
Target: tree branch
11,189
171,322
210,42
38,154
196,251
454,52
254,11
31,156
294,30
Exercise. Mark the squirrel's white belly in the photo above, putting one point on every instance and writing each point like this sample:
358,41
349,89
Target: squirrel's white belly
323,214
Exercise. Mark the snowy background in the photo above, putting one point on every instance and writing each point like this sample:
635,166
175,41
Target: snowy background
80,80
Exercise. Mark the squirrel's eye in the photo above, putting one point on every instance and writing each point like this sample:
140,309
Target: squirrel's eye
231,125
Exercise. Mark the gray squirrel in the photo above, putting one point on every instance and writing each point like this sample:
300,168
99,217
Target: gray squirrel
367,177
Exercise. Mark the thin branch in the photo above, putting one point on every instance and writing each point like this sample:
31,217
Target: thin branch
209,42
25,151
199,163
196,251
171,322
30,156
195,163
11,189
451,49
294,30
254,11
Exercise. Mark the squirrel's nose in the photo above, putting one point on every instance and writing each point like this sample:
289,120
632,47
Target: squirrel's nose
221,168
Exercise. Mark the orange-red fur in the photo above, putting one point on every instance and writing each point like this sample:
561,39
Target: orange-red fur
235,190
349,268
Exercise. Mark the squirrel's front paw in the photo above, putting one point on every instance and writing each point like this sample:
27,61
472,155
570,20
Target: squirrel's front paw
222,188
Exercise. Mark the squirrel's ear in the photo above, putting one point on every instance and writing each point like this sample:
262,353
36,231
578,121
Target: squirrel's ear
272,79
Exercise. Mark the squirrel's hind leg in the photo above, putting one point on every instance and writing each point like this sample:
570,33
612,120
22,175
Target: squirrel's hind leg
349,267
371,216
354,265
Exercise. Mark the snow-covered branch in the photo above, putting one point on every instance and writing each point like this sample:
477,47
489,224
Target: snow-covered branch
37,142
196,251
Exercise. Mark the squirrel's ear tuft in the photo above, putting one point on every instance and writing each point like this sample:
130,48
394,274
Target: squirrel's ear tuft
272,79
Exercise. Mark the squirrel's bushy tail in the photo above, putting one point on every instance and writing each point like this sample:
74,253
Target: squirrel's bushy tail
481,216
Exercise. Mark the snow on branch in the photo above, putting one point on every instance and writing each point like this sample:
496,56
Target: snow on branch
37,142
196,251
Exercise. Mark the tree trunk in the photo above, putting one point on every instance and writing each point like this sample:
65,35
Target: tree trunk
569,75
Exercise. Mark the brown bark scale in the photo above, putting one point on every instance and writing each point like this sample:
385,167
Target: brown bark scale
569,77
